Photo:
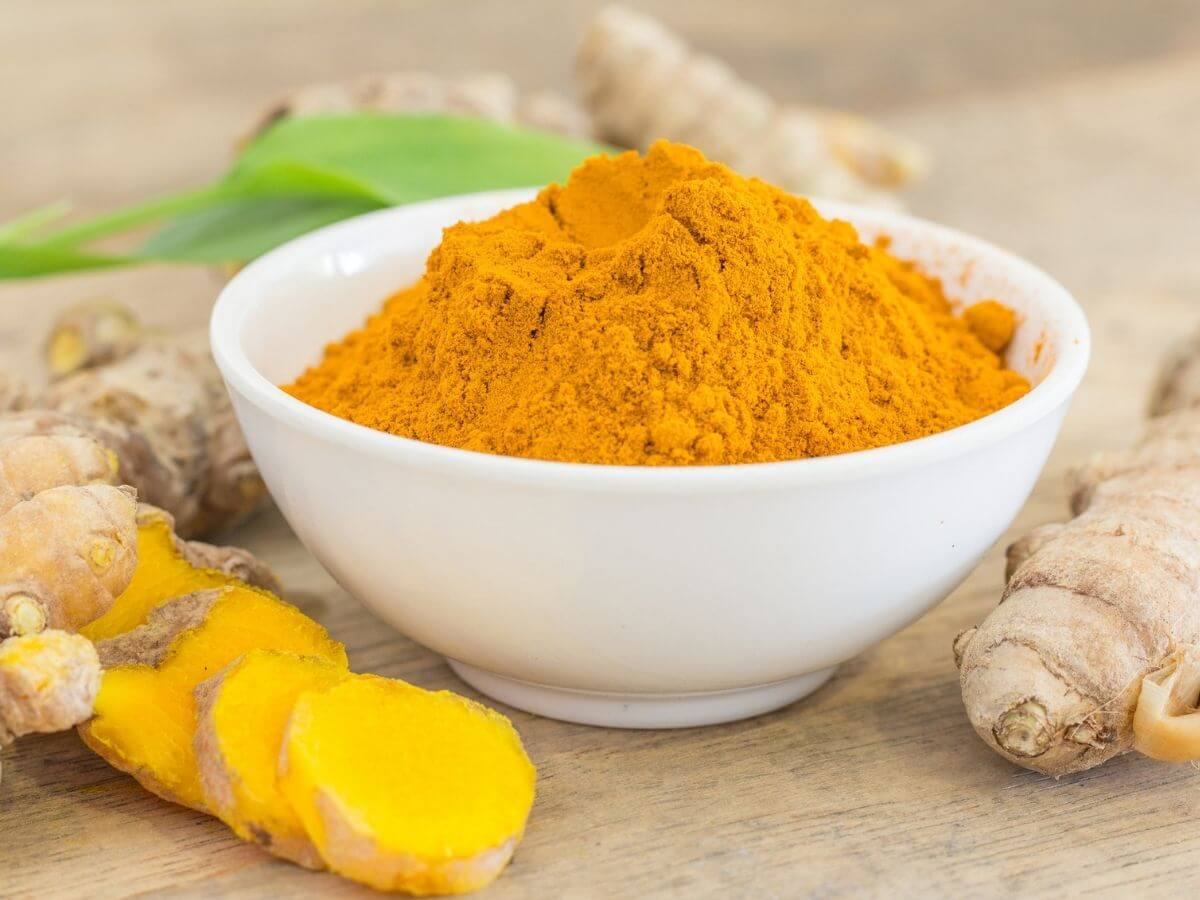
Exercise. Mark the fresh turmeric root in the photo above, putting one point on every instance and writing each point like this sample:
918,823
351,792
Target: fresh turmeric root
91,334
403,789
145,713
128,407
241,716
162,409
48,682
33,460
641,82
65,555
169,567
1101,610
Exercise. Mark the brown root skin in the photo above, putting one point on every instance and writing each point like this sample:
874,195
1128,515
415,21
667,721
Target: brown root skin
145,714
65,555
360,859
641,82
235,562
1052,677
48,683
1024,547
33,463
158,403
148,644
238,770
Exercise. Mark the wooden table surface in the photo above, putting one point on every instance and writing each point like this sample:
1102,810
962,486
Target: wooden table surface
1067,131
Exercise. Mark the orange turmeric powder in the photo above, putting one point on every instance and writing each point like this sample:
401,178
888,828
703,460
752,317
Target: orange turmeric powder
662,310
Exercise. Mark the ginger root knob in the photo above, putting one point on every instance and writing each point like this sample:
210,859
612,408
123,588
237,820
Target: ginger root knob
1024,730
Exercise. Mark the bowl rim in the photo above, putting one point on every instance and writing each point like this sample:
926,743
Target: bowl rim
238,297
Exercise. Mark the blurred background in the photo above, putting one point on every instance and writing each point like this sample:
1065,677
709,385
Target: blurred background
1066,131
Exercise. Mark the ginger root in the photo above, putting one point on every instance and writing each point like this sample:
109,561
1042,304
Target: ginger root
65,555
241,715
145,712
48,682
1096,606
641,82
404,789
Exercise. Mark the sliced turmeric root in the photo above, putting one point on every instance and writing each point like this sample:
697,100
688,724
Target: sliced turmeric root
406,790
167,568
241,717
145,713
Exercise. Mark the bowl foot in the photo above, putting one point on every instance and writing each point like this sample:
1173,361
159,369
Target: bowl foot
641,710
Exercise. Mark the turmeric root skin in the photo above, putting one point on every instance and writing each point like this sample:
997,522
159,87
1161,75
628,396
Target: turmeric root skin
145,721
241,716
169,567
48,683
65,555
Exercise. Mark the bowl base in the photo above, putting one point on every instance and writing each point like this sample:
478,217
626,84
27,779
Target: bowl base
641,710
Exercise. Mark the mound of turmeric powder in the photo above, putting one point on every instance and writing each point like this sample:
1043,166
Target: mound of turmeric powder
663,310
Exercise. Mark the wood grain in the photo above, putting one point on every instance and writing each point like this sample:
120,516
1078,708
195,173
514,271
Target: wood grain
1069,132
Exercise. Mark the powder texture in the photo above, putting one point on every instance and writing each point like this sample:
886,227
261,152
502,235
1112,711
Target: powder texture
662,310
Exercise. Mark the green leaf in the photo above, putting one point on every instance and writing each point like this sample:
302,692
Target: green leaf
242,228
405,159
26,225
29,260
302,174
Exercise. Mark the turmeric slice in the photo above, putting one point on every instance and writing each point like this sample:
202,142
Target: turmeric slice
240,721
168,568
145,713
404,789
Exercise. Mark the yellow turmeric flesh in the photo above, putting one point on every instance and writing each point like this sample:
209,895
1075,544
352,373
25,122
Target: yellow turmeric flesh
663,310
405,789
145,713
164,571
241,717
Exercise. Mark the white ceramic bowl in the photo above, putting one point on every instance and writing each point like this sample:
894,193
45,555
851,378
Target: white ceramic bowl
627,596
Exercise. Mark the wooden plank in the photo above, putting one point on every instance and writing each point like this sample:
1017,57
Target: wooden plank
1079,153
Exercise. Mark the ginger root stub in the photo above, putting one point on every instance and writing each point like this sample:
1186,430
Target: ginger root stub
241,717
404,789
